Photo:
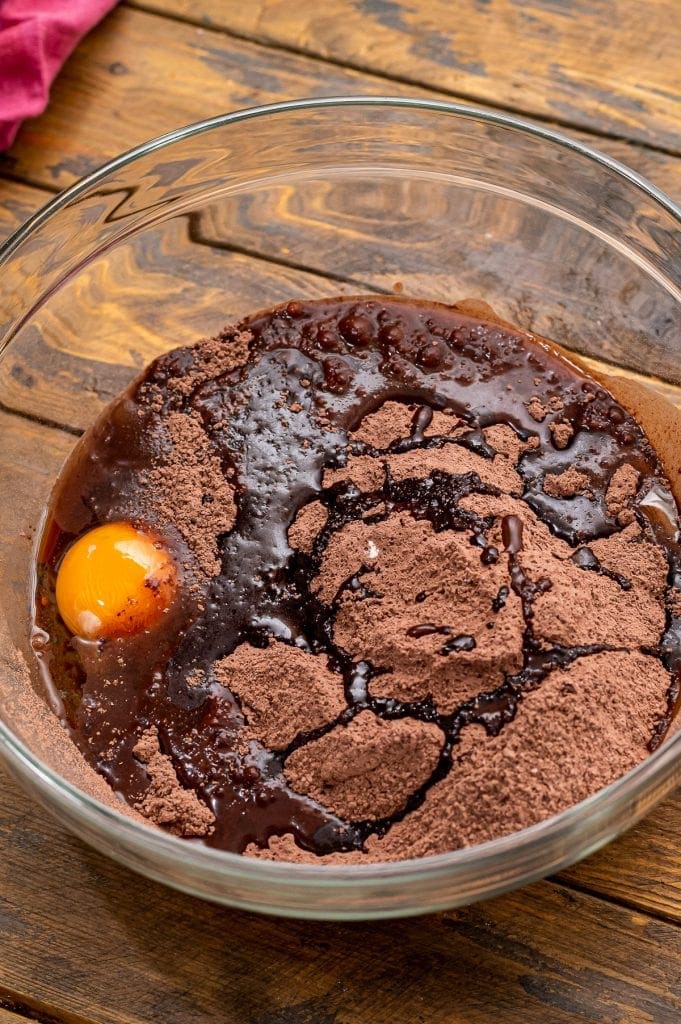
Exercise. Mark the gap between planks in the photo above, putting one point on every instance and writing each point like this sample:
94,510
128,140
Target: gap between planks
15,1009
246,73
606,897
460,95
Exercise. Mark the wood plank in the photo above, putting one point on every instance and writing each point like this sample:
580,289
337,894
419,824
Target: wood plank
17,203
113,94
643,867
13,1011
94,335
545,954
31,456
611,66
8,1017
101,329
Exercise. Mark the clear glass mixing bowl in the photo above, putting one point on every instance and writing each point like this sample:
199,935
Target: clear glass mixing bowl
173,239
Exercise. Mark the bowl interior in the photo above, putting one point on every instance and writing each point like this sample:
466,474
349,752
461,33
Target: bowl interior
310,200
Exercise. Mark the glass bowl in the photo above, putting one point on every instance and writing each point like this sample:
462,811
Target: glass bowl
168,242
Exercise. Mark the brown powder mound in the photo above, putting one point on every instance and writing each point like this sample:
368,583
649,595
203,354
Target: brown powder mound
506,442
210,358
364,471
567,484
395,420
283,691
425,589
639,561
585,607
536,408
286,848
536,534
621,489
392,421
368,473
452,458
674,602
188,490
367,769
444,424
196,678
166,802
582,606
308,523
561,433
583,728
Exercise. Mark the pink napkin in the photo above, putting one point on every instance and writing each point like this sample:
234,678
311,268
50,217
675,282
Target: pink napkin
36,37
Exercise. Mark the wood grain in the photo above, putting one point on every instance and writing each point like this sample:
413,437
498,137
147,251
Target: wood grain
31,455
17,203
74,373
609,65
86,344
642,868
626,870
114,93
444,240
98,331
88,940
85,942
7,1017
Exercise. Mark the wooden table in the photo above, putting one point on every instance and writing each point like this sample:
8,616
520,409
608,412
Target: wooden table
82,940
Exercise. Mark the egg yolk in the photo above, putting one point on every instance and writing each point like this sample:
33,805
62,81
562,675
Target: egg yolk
114,581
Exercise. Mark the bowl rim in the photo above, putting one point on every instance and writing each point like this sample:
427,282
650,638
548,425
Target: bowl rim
465,110
604,803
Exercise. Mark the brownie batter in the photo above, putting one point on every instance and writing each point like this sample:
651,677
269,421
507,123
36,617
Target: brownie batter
428,585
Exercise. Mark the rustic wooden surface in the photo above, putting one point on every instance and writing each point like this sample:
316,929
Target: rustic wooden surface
85,941
82,941
7,1017
606,65
118,81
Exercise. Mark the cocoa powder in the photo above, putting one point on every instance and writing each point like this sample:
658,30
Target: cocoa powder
453,625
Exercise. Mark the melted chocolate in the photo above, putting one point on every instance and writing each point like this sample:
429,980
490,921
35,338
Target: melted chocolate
315,370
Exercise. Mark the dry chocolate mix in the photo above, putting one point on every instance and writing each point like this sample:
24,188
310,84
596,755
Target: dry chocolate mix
428,585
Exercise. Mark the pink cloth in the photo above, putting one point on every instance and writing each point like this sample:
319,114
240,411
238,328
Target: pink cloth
36,37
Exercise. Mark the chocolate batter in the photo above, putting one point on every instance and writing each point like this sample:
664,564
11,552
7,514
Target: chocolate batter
428,596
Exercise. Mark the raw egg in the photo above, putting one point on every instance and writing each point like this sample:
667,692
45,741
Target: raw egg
114,581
